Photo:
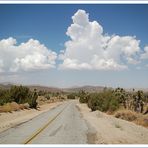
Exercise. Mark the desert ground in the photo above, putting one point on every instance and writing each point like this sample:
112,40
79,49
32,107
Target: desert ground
68,122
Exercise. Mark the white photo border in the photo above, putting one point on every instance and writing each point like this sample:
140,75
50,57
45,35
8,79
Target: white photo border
74,2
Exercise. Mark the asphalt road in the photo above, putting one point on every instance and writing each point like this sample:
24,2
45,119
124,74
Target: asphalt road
61,125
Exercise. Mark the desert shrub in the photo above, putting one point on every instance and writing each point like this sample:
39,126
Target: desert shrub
42,93
71,96
95,102
55,94
84,97
47,96
5,96
126,115
19,95
113,105
103,101
61,97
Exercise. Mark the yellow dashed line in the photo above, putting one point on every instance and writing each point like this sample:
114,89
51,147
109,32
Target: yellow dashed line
41,129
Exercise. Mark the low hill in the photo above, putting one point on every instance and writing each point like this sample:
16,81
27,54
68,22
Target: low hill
45,88
31,87
86,88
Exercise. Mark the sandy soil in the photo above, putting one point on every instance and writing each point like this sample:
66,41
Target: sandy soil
8,120
110,130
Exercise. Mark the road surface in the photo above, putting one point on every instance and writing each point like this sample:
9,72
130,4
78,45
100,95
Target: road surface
61,125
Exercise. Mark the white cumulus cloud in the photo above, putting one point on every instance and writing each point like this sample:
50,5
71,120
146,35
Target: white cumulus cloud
31,55
145,54
90,48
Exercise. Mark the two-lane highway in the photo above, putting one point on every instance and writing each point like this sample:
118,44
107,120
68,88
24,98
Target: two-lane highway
61,125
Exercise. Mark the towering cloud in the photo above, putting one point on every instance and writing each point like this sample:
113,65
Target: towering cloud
90,48
25,57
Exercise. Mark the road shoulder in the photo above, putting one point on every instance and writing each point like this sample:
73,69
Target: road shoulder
111,130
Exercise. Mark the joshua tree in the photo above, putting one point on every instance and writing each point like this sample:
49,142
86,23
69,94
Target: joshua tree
84,96
33,101
138,101
122,96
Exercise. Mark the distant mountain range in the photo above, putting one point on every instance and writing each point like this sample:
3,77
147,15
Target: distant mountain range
32,87
45,88
87,88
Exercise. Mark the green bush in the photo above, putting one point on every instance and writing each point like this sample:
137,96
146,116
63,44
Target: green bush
113,105
104,101
71,96
95,102
83,96
47,96
5,96
112,100
18,94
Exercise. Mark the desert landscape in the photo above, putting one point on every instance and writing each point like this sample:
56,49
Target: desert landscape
78,112
74,73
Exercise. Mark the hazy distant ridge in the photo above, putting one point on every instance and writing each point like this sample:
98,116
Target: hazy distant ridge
87,88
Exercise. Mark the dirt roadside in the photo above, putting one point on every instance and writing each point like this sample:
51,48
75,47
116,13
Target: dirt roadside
8,120
111,130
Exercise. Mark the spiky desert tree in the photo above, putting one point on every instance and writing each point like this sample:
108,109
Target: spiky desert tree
138,101
121,94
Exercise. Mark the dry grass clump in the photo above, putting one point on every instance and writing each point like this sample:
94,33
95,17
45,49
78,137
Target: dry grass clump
142,120
21,106
6,108
1,109
126,115
41,100
137,118
13,106
26,106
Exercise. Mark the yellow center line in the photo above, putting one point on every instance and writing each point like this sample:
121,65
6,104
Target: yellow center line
42,128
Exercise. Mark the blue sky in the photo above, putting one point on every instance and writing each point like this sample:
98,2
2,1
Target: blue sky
49,23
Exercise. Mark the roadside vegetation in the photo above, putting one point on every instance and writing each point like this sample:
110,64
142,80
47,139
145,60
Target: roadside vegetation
127,105
130,106
21,97
17,97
